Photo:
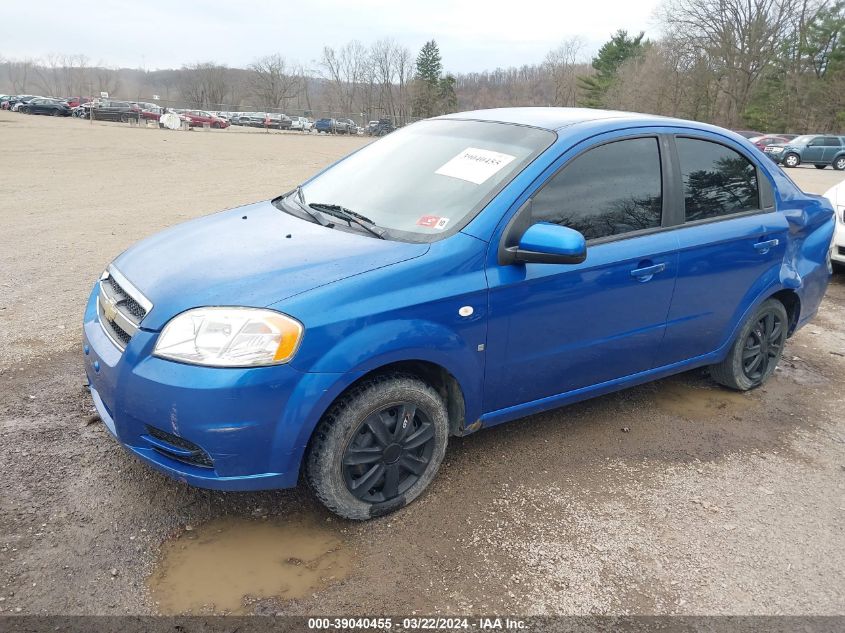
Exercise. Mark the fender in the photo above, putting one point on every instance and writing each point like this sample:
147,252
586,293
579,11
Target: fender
368,350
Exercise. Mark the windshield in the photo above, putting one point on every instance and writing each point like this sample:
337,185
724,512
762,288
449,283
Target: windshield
429,177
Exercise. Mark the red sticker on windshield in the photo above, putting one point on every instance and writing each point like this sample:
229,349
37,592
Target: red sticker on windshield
433,222
428,221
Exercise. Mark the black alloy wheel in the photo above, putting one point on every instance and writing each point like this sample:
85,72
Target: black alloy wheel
763,345
389,453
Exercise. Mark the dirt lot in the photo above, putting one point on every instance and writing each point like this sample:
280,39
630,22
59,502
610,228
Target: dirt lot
713,502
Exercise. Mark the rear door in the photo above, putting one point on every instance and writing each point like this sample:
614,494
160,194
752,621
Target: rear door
731,244
832,146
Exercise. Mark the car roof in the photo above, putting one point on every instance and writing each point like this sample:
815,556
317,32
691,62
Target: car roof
554,118
548,118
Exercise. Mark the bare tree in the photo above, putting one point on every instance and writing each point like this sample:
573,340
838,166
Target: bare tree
562,66
20,74
345,69
204,84
741,38
273,82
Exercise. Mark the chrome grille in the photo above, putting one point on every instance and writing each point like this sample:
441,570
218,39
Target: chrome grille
120,307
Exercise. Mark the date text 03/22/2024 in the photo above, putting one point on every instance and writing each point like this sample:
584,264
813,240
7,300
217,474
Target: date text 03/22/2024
417,623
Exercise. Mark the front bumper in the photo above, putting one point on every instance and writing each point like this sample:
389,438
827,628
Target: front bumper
252,425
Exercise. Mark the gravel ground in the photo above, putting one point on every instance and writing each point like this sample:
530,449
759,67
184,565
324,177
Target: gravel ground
711,502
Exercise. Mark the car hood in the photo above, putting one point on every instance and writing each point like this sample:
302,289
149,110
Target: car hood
254,255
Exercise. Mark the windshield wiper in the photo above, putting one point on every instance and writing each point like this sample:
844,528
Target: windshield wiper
350,216
295,198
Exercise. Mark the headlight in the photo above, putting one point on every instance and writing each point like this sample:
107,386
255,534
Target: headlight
230,337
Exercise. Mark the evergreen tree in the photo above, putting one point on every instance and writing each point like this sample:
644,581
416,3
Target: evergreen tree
429,63
433,93
610,57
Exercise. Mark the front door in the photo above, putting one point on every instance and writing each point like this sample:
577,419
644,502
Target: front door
814,152
555,328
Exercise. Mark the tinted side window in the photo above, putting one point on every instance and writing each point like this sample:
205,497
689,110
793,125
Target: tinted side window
831,141
717,180
612,189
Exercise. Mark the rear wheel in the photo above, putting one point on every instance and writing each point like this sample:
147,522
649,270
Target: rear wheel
792,160
124,118
756,350
839,163
378,447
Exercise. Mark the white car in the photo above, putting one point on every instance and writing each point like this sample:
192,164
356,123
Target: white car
836,195
300,123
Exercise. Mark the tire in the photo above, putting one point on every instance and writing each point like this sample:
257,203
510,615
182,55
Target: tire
791,160
363,427
765,330
124,118
819,166
839,163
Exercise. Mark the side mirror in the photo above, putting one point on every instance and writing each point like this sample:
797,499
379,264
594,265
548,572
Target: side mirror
546,243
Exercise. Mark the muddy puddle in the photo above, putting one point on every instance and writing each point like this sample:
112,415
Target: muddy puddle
226,564
697,401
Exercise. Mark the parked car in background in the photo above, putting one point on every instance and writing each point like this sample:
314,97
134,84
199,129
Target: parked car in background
494,272
301,123
253,119
43,105
382,128
748,133
73,102
819,150
836,196
198,118
4,101
771,139
329,126
278,121
112,110
18,102
371,125
346,126
150,111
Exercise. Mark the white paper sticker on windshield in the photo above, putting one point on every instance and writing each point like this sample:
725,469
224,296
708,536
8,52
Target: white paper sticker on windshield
475,165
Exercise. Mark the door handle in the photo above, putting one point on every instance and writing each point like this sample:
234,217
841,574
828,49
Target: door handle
646,273
765,247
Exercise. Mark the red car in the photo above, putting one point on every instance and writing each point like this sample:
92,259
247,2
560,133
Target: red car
73,102
197,118
771,139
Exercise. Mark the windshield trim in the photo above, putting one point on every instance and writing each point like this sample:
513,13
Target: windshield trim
423,238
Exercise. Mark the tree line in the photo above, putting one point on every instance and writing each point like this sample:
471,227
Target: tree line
765,64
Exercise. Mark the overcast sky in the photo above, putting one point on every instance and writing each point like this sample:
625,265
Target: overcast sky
155,34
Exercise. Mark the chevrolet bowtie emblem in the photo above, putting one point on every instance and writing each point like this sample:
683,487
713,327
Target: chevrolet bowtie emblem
109,310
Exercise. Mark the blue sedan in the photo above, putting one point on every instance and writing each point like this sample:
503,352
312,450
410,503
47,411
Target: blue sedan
462,272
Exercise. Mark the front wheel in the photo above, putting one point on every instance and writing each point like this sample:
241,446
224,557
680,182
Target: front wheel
379,447
839,163
757,349
792,160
